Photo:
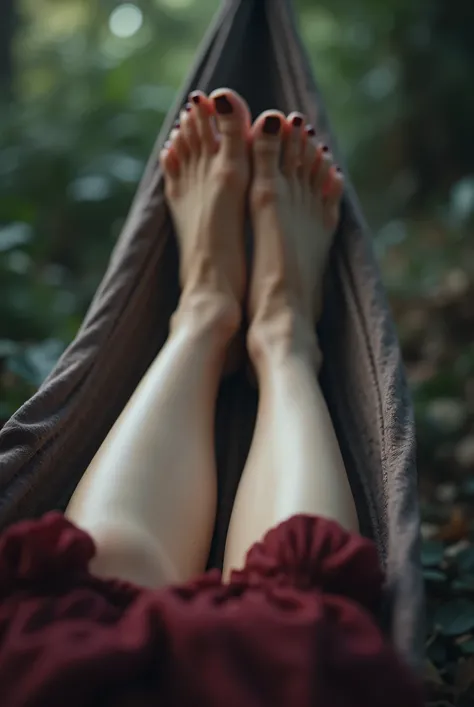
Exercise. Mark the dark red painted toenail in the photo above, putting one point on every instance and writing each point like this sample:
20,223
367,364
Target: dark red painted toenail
297,121
338,169
272,125
310,130
223,105
187,107
325,148
195,97
177,125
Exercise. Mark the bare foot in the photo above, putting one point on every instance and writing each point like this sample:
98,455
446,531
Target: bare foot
206,166
295,205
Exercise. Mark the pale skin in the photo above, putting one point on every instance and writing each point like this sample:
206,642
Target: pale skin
148,497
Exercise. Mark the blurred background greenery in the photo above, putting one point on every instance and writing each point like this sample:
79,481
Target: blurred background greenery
86,85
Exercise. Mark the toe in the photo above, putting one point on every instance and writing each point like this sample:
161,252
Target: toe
204,113
294,144
179,143
169,161
189,130
309,152
233,121
322,167
267,134
332,200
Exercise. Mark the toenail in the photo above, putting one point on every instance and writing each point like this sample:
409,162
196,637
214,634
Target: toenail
310,130
297,121
272,125
338,169
195,97
324,148
177,125
187,107
223,105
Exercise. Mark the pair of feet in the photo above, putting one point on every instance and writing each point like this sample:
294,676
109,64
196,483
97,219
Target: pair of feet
213,162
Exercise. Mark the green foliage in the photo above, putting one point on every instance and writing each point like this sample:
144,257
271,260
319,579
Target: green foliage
73,146
455,617
432,553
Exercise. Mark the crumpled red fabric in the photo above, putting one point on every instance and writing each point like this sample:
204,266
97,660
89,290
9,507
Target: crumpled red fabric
295,627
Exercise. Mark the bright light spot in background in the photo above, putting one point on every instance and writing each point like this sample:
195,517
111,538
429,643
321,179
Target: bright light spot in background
125,20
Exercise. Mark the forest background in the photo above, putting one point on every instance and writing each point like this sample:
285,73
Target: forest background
84,87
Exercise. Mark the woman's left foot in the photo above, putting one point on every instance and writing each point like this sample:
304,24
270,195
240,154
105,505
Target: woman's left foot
207,171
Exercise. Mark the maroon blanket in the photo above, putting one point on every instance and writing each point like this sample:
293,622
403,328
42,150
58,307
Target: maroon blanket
294,627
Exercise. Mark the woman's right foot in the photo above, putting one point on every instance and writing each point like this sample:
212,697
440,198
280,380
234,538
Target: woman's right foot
295,206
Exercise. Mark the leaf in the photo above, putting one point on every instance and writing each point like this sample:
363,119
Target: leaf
457,527
436,652
434,576
468,487
7,348
455,617
432,552
468,647
437,691
466,560
42,357
450,670
14,235
431,674
464,678
125,168
462,199
20,367
94,187
464,584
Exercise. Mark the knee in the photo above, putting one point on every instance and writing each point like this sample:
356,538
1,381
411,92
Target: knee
130,554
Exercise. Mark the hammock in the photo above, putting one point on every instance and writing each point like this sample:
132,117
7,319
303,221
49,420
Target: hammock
253,47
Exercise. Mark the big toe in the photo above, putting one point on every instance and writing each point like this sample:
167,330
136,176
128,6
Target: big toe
233,120
267,134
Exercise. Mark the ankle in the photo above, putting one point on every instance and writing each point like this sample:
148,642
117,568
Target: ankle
285,334
208,313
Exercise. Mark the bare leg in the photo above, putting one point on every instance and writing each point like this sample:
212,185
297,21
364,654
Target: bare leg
295,464
148,498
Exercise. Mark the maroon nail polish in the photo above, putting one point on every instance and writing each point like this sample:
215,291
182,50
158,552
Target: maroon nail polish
325,148
223,105
272,125
188,107
310,130
338,169
297,121
196,98
177,125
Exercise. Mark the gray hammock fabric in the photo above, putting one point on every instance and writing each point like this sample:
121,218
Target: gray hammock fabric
253,47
